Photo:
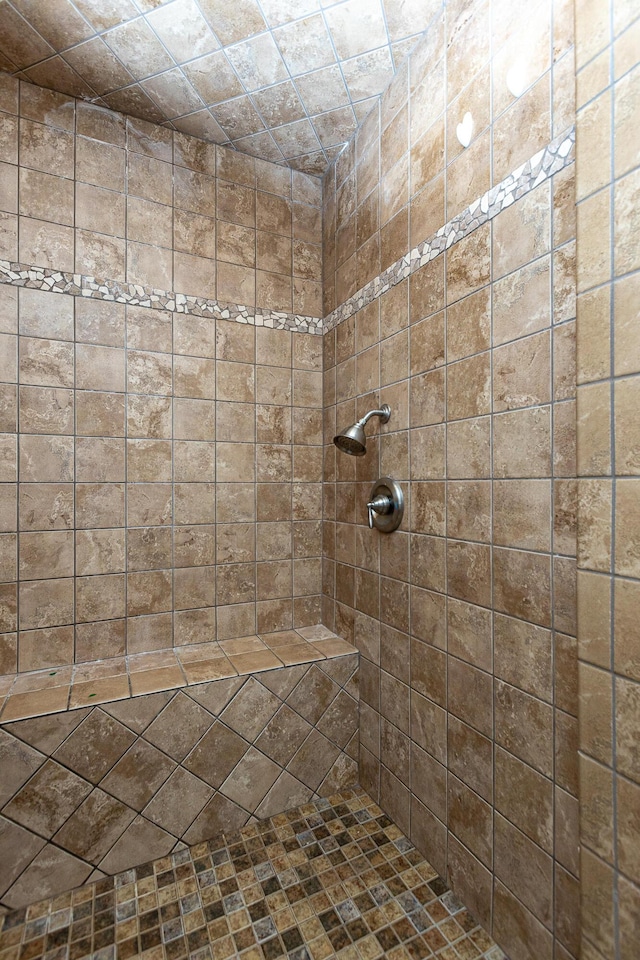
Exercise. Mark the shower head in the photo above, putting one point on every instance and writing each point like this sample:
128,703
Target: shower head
353,440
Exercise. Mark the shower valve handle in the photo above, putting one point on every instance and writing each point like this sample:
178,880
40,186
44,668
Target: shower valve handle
385,505
380,505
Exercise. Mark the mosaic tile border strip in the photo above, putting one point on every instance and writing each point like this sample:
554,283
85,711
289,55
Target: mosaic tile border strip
136,295
551,160
92,792
332,877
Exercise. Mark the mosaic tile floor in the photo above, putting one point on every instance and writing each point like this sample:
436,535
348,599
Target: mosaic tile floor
334,878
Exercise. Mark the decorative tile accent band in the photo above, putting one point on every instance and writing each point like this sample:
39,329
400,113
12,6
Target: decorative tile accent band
544,164
553,158
133,294
109,787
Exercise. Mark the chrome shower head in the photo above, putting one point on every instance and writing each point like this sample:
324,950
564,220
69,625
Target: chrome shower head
353,440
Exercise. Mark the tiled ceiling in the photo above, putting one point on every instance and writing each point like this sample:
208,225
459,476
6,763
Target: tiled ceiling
285,80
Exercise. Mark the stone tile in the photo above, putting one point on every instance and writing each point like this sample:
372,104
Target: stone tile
52,869
95,826
95,746
215,696
218,816
282,682
250,780
19,761
284,793
140,840
18,847
138,775
217,753
340,720
313,695
137,713
313,760
283,735
250,710
178,802
48,799
180,725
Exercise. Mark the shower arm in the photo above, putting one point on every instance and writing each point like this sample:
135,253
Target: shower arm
384,413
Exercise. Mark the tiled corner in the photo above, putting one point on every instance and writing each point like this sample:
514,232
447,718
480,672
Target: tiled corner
608,531
450,294
276,81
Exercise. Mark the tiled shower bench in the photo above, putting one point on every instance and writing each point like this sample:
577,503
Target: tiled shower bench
108,765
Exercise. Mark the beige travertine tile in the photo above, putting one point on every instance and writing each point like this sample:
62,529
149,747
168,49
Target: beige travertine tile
593,359
100,164
45,555
626,259
596,811
254,662
104,690
595,696
159,678
593,228
522,232
100,414
46,362
100,459
22,705
150,330
43,148
624,327
467,448
41,315
530,113
469,510
9,235
522,443
522,585
468,387
594,524
44,410
595,131
44,197
522,514
626,528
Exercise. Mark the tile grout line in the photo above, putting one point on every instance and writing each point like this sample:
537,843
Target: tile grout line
79,284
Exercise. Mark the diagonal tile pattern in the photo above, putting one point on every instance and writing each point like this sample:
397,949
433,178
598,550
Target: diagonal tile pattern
282,80
334,877
127,780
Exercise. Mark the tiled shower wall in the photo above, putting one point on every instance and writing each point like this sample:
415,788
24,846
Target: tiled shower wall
405,173
114,538
608,260
89,191
465,617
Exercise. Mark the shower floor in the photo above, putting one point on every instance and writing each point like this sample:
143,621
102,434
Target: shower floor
334,878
